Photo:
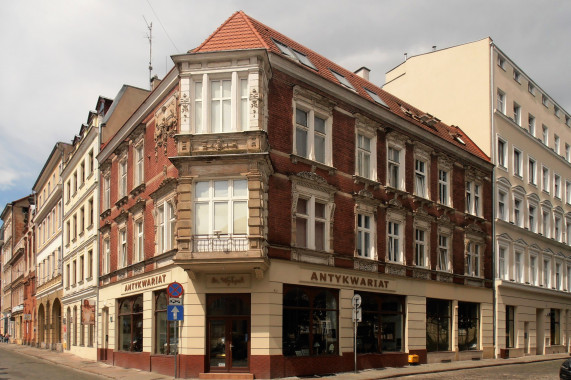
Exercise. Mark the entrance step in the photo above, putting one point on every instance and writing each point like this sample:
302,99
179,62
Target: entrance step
226,376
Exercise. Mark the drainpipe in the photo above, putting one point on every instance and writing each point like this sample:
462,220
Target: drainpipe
96,267
493,158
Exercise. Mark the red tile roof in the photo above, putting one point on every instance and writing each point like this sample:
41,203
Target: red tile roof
242,32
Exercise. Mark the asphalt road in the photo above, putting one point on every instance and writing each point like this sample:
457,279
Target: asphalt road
14,366
548,370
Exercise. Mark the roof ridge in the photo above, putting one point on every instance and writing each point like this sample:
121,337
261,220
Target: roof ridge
253,28
215,32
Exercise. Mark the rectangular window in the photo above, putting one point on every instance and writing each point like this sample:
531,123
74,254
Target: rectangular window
544,100
75,184
519,267
468,325
545,179
501,97
531,88
502,214
545,134
139,167
545,223
311,136
568,192
382,326
438,325
547,273
393,167
533,270
73,273
518,163
532,168
82,170
310,321
311,224
518,212
89,264
558,276
557,229
510,326
81,219
502,154
517,76
364,236
68,275
244,102
531,124
364,156
556,144
123,248
221,209
557,186
517,113
567,152
443,193
74,236
81,268
569,278
393,242
106,265
139,241
532,220
106,192
502,267
221,105
130,318
420,178
473,197
90,212
420,248
443,257
122,178
473,259
90,162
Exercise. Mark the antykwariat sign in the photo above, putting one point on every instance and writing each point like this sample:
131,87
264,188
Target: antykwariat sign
144,283
349,280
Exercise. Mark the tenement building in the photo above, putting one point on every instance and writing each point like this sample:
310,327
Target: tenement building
48,226
274,185
527,134
14,253
80,178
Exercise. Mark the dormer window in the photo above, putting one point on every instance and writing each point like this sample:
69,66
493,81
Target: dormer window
342,80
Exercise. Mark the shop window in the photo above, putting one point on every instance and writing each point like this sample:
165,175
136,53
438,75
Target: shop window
310,321
468,326
382,327
165,332
438,325
130,326
510,326
555,327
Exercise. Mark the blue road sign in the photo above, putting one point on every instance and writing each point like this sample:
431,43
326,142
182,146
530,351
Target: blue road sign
175,313
174,290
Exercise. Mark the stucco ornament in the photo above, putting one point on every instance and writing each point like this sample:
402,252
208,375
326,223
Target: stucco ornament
165,124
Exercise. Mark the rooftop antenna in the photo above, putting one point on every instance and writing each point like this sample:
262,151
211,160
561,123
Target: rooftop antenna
405,55
150,38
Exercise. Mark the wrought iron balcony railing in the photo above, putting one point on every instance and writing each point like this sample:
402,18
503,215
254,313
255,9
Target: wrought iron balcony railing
219,243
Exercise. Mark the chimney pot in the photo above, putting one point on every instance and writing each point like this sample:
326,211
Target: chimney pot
363,72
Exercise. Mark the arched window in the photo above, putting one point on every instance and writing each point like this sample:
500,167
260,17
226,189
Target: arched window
165,334
131,324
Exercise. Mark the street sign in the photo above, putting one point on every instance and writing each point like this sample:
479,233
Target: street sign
175,313
175,301
356,301
357,315
175,290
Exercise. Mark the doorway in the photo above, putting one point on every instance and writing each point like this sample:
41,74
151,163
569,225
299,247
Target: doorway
228,332
104,333
526,338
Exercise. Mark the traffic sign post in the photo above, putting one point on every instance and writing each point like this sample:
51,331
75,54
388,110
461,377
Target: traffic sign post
357,317
175,313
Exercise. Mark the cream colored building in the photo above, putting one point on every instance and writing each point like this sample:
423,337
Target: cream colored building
80,250
48,224
527,135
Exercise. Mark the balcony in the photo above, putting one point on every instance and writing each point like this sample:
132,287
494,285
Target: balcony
219,243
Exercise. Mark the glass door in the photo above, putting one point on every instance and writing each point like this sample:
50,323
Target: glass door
217,343
239,344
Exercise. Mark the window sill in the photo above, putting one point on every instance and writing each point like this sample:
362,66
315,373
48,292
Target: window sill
89,227
123,200
89,279
314,164
89,176
105,213
367,181
138,189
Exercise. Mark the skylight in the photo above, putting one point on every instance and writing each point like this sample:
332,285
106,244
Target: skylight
294,54
303,59
376,97
342,80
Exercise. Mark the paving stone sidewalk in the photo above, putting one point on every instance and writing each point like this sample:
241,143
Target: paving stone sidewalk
113,372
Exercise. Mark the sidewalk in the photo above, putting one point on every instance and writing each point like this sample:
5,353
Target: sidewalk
111,372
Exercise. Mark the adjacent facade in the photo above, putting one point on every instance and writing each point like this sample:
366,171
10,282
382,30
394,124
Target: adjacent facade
527,134
48,221
274,185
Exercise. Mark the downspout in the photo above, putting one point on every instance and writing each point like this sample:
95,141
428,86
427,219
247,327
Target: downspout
493,158
96,272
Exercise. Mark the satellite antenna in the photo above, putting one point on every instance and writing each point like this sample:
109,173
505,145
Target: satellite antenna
150,38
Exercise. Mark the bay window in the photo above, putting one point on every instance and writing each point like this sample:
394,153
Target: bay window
221,209
220,104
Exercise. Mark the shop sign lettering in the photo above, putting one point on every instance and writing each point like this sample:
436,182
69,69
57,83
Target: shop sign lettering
228,281
145,283
350,280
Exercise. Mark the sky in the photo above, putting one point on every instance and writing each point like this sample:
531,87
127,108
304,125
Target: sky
57,57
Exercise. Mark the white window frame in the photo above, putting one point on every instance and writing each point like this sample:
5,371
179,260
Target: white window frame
568,192
518,213
546,272
139,228
444,256
122,247
533,269
201,88
517,162
312,196
532,217
421,237
531,124
397,218
556,185
139,172
545,134
165,219
365,131
503,263
395,143
546,222
106,264
444,187
501,101
558,276
532,170
517,113
122,177
545,183
502,153
106,191
473,256
503,205
474,198
557,144
361,213
518,266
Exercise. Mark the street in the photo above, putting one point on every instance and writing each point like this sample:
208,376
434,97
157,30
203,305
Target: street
15,366
539,370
